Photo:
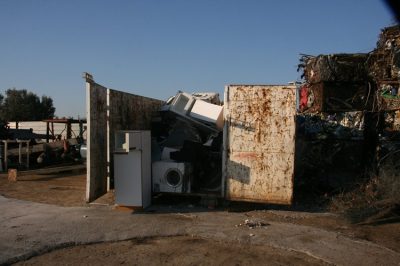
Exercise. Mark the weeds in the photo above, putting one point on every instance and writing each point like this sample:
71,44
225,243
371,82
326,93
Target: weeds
375,200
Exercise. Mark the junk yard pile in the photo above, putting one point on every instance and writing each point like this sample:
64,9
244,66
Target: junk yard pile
348,128
344,140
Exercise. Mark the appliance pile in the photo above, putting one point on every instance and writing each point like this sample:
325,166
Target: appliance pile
187,144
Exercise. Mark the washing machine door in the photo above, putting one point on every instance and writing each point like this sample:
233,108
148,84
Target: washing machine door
174,178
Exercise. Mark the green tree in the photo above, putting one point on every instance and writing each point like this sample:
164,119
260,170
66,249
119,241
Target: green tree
21,105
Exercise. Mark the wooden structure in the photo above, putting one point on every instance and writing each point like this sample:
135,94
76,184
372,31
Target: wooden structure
68,122
20,146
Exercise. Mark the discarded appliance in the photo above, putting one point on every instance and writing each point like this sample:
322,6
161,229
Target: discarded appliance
198,111
166,153
210,97
188,143
209,113
170,176
132,168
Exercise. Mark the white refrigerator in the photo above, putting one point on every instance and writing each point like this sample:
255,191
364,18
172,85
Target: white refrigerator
132,168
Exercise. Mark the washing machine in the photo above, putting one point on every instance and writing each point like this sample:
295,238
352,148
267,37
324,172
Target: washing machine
171,176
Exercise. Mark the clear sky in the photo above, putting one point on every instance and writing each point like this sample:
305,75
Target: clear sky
155,48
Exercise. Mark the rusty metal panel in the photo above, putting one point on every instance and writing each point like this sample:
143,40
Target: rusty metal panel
96,108
127,112
259,143
130,112
108,111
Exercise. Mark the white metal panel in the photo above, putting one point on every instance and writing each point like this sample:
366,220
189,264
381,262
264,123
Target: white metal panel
132,173
128,178
208,112
146,167
259,143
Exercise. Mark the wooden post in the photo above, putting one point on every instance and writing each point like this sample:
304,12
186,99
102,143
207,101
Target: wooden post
27,154
52,129
5,155
81,130
69,133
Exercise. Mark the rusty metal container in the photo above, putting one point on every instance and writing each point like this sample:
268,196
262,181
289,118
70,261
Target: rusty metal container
259,143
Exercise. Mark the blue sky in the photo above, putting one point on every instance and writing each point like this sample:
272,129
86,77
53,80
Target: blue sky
155,48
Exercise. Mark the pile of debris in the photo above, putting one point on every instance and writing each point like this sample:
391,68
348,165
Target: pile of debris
351,82
384,67
350,102
384,64
335,83
187,133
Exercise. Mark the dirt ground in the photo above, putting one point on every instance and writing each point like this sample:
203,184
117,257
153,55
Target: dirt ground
182,250
62,189
68,189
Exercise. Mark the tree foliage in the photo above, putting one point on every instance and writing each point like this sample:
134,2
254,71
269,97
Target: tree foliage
21,105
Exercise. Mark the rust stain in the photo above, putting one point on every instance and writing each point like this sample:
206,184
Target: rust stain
263,149
244,155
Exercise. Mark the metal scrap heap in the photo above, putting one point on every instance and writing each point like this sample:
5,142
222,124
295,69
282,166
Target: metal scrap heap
348,100
353,82
334,83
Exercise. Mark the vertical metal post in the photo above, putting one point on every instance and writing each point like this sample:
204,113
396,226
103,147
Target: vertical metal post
19,152
47,132
225,142
108,143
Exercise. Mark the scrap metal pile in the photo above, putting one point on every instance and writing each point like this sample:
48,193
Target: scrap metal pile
335,83
348,100
187,135
353,82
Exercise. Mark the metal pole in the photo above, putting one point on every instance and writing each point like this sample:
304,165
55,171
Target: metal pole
19,152
47,132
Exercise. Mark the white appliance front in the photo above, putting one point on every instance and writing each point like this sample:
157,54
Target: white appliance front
170,176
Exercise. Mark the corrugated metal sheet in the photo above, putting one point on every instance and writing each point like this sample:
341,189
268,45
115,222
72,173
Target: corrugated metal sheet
259,143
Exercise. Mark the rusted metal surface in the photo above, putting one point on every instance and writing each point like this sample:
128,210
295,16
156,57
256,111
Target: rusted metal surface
259,143
96,108
127,112
108,111
130,112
